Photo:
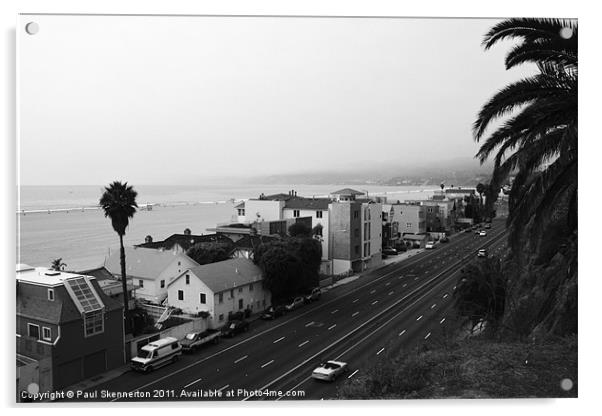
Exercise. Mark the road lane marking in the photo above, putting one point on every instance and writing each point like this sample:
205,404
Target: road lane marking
402,332
379,351
444,296
240,359
427,335
387,284
194,382
372,291
454,288
443,320
433,306
225,387
303,343
375,302
309,323
354,314
352,374
332,327
405,284
390,293
355,301
419,318
268,363
333,312
278,340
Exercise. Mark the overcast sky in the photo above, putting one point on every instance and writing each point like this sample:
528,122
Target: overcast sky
171,100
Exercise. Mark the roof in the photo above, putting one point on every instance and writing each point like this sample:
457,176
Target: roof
100,273
347,191
241,204
252,241
307,203
142,262
226,275
185,241
413,236
40,308
43,275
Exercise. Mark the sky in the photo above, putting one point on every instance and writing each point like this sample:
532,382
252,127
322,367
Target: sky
173,100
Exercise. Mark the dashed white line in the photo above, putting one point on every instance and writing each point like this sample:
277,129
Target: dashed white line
419,318
309,323
268,363
240,359
333,312
387,284
375,302
303,343
352,374
329,328
441,321
190,384
454,288
433,306
355,301
372,291
279,339
379,351
225,387
390,293
354,314
444,296
427,335
405,284
402,332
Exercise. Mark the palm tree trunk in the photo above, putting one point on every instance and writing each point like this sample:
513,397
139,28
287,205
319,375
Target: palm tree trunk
124,285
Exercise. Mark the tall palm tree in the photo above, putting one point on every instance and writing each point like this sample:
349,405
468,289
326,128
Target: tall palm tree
538,139
119,204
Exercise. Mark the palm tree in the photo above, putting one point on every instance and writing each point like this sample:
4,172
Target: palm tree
538,139
58,265
119,204
480,190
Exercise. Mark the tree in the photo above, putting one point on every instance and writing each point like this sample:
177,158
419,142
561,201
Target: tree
205,254
299,229
538,140
480,190
58,265
118,202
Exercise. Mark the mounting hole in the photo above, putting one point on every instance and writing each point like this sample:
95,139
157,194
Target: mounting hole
32,28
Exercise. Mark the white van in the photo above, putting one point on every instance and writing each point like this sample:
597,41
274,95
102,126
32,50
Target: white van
156,354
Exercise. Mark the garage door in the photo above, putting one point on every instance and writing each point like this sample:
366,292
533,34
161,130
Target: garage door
68,373
95,364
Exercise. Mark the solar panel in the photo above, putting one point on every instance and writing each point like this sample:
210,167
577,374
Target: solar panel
84,294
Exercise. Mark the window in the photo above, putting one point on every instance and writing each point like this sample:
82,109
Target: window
180,295
251,287
409,225
203,298
241,212
33,331
93,323
46,333
141,283
318,214
221,317
232,294
296,213
220,298
187,279
179,263
50,294
356,214
162,284
240,290
357,249
356,232
240,305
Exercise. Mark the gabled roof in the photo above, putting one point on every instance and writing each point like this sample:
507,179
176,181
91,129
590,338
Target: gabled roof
307,203
347,191
143,262
185,241
100,273
225,275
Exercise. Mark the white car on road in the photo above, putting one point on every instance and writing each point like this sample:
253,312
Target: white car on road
329,370
483,233
430,245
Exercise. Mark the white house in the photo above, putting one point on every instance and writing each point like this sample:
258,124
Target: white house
219,288
150,269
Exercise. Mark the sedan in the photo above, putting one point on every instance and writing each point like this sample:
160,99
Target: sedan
234,327
329,370
483,233
482,253
295,303
430,245
389,251
273,312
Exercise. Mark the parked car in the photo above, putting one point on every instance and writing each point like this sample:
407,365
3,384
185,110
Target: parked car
488,226
389,251
329,370
234,327
430,245
273,312
157,354
313,295
483,233
295,303
194,340
444,240
482,252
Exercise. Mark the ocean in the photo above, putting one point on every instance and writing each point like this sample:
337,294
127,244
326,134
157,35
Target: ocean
60,221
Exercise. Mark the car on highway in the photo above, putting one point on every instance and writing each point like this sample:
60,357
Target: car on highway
312,295
295,303
273,312
482,252
430,245
483,233
329,370
234,327
389,251
194,340
157,354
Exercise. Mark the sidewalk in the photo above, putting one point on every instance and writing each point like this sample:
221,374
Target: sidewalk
99,379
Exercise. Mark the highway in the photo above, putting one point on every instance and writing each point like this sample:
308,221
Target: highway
387,310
